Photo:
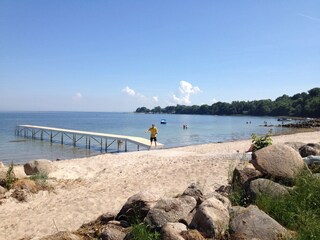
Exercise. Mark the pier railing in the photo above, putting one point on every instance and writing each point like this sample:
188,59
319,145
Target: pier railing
104,140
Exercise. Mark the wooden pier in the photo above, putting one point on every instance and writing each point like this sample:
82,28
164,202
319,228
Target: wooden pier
104,141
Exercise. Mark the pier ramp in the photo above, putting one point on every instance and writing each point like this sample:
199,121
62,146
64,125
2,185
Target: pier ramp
66,136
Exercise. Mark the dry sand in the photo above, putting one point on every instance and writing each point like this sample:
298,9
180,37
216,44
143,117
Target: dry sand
88,187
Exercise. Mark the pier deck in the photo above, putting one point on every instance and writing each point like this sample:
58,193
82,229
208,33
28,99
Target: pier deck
104,140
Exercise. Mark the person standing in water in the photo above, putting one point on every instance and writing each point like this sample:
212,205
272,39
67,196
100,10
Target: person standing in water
153,135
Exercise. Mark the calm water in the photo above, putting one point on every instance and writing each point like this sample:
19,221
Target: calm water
201,129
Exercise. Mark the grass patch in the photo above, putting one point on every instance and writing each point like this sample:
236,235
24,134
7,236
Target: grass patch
40,179
238,196
140,231
299,211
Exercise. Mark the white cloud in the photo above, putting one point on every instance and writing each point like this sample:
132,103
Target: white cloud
155,98
310,17
77,97
129,91
212,101
133,93
186,90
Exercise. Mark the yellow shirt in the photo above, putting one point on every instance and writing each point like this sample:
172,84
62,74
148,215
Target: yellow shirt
153,131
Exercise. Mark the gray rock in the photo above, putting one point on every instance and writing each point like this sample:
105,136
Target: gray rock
279,161
267,187
170,210
310,149
243,174
252,223
211,218
137,206
38,166
295,145
312,160
194,191
114,231
172,231
224,200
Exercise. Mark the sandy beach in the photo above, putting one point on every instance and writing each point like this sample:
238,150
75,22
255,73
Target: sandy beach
88,187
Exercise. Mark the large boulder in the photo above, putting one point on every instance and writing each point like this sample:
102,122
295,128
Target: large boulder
18,173
38,166
295,145
243,174
170,210
172,231
137,206
310,149
278,161
253,223
267,187
211,218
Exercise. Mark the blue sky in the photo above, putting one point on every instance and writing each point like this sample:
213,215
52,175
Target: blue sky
76,55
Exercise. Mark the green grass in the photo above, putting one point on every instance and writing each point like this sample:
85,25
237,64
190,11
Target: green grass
299,211
10,177
141,231
40,179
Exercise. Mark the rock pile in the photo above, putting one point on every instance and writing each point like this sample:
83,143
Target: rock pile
312,123
196,216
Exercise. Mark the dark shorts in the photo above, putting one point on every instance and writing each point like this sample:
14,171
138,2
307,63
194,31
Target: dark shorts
153,139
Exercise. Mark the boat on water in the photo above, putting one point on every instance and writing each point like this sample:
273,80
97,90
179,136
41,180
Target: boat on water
163,121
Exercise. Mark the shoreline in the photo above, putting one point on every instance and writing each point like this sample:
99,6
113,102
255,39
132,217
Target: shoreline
85,188
97,153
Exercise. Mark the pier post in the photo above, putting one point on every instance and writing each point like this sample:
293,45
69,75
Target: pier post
41,135
50,136
74,140
61,137
126,146
106,145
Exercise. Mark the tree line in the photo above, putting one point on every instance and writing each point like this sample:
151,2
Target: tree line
305,104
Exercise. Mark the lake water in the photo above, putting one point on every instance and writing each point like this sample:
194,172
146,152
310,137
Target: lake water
201,129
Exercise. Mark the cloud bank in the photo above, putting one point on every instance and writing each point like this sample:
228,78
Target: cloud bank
186,90
130,92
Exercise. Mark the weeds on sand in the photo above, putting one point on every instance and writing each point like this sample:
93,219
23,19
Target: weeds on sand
10,177
40,179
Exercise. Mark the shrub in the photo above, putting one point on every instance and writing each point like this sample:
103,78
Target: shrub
141,231
259,142
10,177
40,177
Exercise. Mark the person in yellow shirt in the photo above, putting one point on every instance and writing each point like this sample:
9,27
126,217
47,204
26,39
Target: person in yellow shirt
153,135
